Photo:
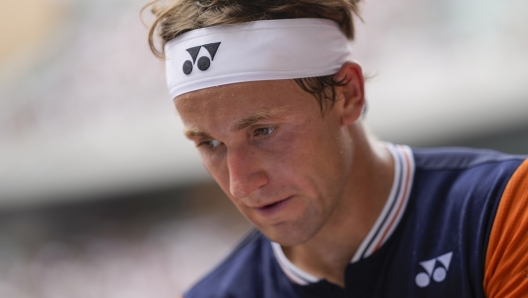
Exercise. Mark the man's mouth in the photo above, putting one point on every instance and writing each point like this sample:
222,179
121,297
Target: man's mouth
272,208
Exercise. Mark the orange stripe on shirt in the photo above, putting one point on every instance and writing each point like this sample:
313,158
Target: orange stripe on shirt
506,271
402,201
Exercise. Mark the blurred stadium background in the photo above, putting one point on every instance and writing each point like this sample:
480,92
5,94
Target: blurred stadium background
100,194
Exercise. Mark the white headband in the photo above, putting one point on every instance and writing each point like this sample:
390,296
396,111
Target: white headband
255,51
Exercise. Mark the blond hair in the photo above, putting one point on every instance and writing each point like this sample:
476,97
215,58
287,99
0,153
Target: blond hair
180,16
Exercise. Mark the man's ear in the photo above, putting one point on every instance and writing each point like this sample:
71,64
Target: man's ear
351,96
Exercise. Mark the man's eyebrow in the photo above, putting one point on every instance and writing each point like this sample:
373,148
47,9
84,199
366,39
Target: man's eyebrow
253,118
193,133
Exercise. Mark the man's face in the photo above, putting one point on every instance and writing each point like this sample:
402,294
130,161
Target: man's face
277,158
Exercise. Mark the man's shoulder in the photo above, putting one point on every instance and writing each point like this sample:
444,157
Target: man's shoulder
459,158
452,208
463,175
246,272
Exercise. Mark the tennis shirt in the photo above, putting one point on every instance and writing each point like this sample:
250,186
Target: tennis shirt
455,225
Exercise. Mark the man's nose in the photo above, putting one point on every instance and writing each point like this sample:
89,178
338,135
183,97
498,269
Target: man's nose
245,172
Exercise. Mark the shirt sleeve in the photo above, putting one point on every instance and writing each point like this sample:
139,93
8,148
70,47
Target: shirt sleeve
506,267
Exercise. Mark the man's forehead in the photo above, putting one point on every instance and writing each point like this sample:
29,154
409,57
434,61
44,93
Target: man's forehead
236,106
238,100
237,92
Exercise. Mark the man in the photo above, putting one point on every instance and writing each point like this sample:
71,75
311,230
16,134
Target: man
270,97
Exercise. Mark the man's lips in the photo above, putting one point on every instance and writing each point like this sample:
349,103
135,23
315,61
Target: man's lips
270,209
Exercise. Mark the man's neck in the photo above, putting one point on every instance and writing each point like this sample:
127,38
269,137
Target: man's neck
327,254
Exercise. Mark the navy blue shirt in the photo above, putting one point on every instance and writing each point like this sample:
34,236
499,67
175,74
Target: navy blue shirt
437,248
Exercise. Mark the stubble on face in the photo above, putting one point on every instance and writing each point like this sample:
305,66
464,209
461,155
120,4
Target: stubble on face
302,161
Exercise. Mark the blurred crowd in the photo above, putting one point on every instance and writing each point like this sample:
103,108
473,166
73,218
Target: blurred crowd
151,245
102,196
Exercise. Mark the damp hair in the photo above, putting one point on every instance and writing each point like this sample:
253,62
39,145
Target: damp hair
173,18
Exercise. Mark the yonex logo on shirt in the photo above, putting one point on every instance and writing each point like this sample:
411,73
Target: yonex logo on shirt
203,62
438,273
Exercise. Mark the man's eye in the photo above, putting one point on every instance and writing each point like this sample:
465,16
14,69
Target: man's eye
263,131
210,144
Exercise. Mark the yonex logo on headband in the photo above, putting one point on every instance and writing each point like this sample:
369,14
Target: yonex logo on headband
203,62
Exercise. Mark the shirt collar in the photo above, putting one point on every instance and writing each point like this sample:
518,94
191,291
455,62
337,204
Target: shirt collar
385,224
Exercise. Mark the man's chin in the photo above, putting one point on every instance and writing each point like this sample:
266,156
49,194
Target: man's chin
286,236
